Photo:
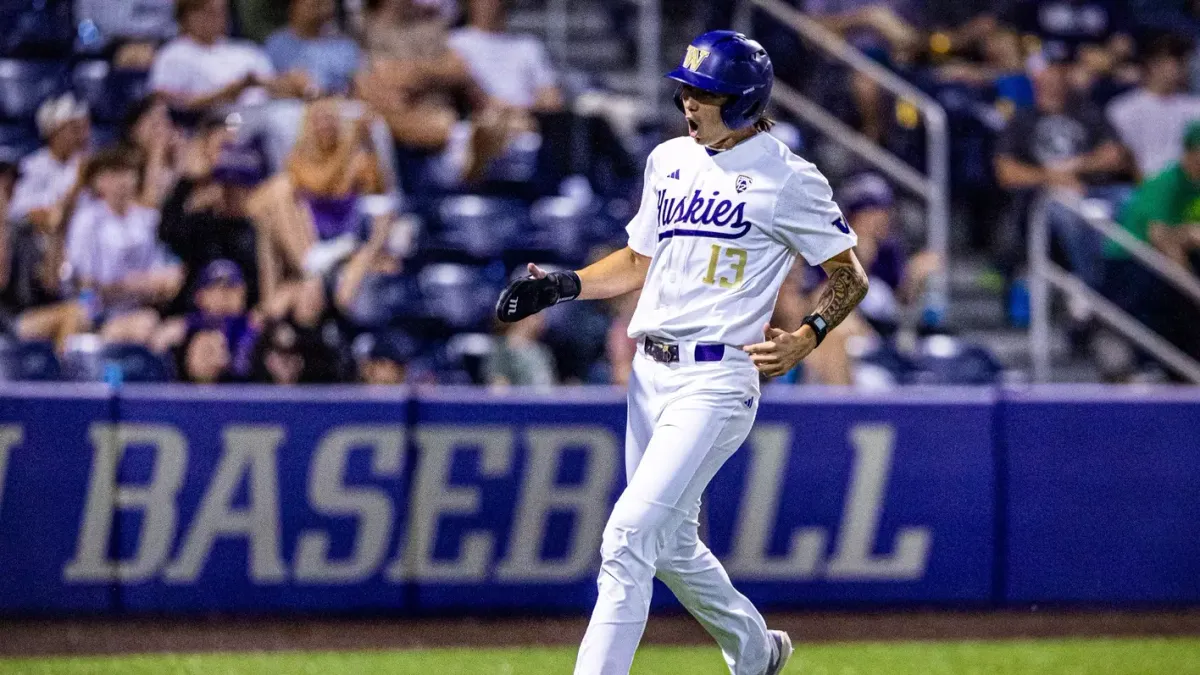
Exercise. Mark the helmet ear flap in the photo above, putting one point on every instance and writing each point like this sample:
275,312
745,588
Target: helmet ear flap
752,113
678,98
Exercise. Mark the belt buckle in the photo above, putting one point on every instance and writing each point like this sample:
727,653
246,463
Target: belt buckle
661,352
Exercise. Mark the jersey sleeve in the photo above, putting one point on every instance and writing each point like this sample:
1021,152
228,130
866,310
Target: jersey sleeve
643,228
808,221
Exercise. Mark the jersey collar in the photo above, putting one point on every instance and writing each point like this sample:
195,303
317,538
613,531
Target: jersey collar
751,141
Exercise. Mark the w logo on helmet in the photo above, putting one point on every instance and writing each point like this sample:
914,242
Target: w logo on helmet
694,57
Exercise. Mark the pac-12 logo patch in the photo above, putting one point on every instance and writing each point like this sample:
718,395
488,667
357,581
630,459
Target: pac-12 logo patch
841,225
694,57
743,181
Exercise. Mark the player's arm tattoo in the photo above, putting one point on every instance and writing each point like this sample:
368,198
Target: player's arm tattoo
846,287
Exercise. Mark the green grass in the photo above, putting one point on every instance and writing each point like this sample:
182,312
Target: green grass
1059,657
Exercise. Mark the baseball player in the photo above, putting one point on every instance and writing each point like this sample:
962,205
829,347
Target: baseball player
724,214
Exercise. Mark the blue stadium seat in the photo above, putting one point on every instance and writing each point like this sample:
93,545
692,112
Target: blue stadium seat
382,300
25,84
36,28
878,364
476,227
137,364
16,141
457,295
28,361
465,353
108,92
87,359
560,227
104,135
942,359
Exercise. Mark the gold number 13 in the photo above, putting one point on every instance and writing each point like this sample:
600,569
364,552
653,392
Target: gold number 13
738,266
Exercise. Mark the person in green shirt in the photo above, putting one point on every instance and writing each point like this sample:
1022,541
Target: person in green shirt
1165,210
1165,213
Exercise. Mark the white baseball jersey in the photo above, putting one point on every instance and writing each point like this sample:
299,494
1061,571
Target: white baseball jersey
723,230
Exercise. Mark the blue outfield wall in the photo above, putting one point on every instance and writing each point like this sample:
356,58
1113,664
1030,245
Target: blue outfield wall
174,500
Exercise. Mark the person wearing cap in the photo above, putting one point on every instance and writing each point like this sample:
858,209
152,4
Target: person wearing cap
27,310
896,279
49,175
219,299
113,251
383,358
867,200
1165,213
204,218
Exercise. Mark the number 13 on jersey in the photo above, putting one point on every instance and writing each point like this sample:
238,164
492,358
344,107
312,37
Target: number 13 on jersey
738,265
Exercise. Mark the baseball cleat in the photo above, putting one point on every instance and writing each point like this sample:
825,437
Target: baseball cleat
781,651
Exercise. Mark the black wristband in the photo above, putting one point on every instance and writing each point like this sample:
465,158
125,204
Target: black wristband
819,325
568,285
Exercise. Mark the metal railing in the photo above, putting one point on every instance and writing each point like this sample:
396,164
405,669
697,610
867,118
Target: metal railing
934,188
1044,275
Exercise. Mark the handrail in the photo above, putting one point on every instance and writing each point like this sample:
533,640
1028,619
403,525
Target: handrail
649,51
1044,273
937,196
1168,270
853,140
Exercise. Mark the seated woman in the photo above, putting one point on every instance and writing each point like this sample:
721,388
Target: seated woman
307,217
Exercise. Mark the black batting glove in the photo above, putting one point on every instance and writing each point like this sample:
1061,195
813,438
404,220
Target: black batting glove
529,295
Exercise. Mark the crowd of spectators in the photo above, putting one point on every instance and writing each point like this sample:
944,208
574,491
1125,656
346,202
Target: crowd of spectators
1089,101
297,192
321,190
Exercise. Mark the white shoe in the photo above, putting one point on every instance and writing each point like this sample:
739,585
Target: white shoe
781,651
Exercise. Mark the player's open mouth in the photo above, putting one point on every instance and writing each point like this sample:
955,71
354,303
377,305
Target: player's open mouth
692,127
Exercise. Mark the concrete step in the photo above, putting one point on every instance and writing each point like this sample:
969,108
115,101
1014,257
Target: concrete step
976,312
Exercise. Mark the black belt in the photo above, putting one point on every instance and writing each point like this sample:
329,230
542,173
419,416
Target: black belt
666,352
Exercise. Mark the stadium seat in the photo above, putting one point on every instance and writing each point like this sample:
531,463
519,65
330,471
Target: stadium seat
560,227
104,135
136,363
942,359
88,359
466,352
108,92
877,363
28,361
25,84
16,141
456,295
36,28
383,300
477,228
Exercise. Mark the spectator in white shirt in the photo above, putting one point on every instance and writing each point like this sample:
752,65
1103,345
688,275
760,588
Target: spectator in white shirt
512,68
203,69
1152,118
49,175
113,250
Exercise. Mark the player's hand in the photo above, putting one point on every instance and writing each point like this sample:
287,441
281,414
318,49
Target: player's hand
782,350
531,294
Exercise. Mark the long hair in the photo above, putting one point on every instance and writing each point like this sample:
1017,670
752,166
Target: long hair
763,123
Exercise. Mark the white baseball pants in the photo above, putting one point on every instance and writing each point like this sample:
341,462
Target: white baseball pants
685,420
